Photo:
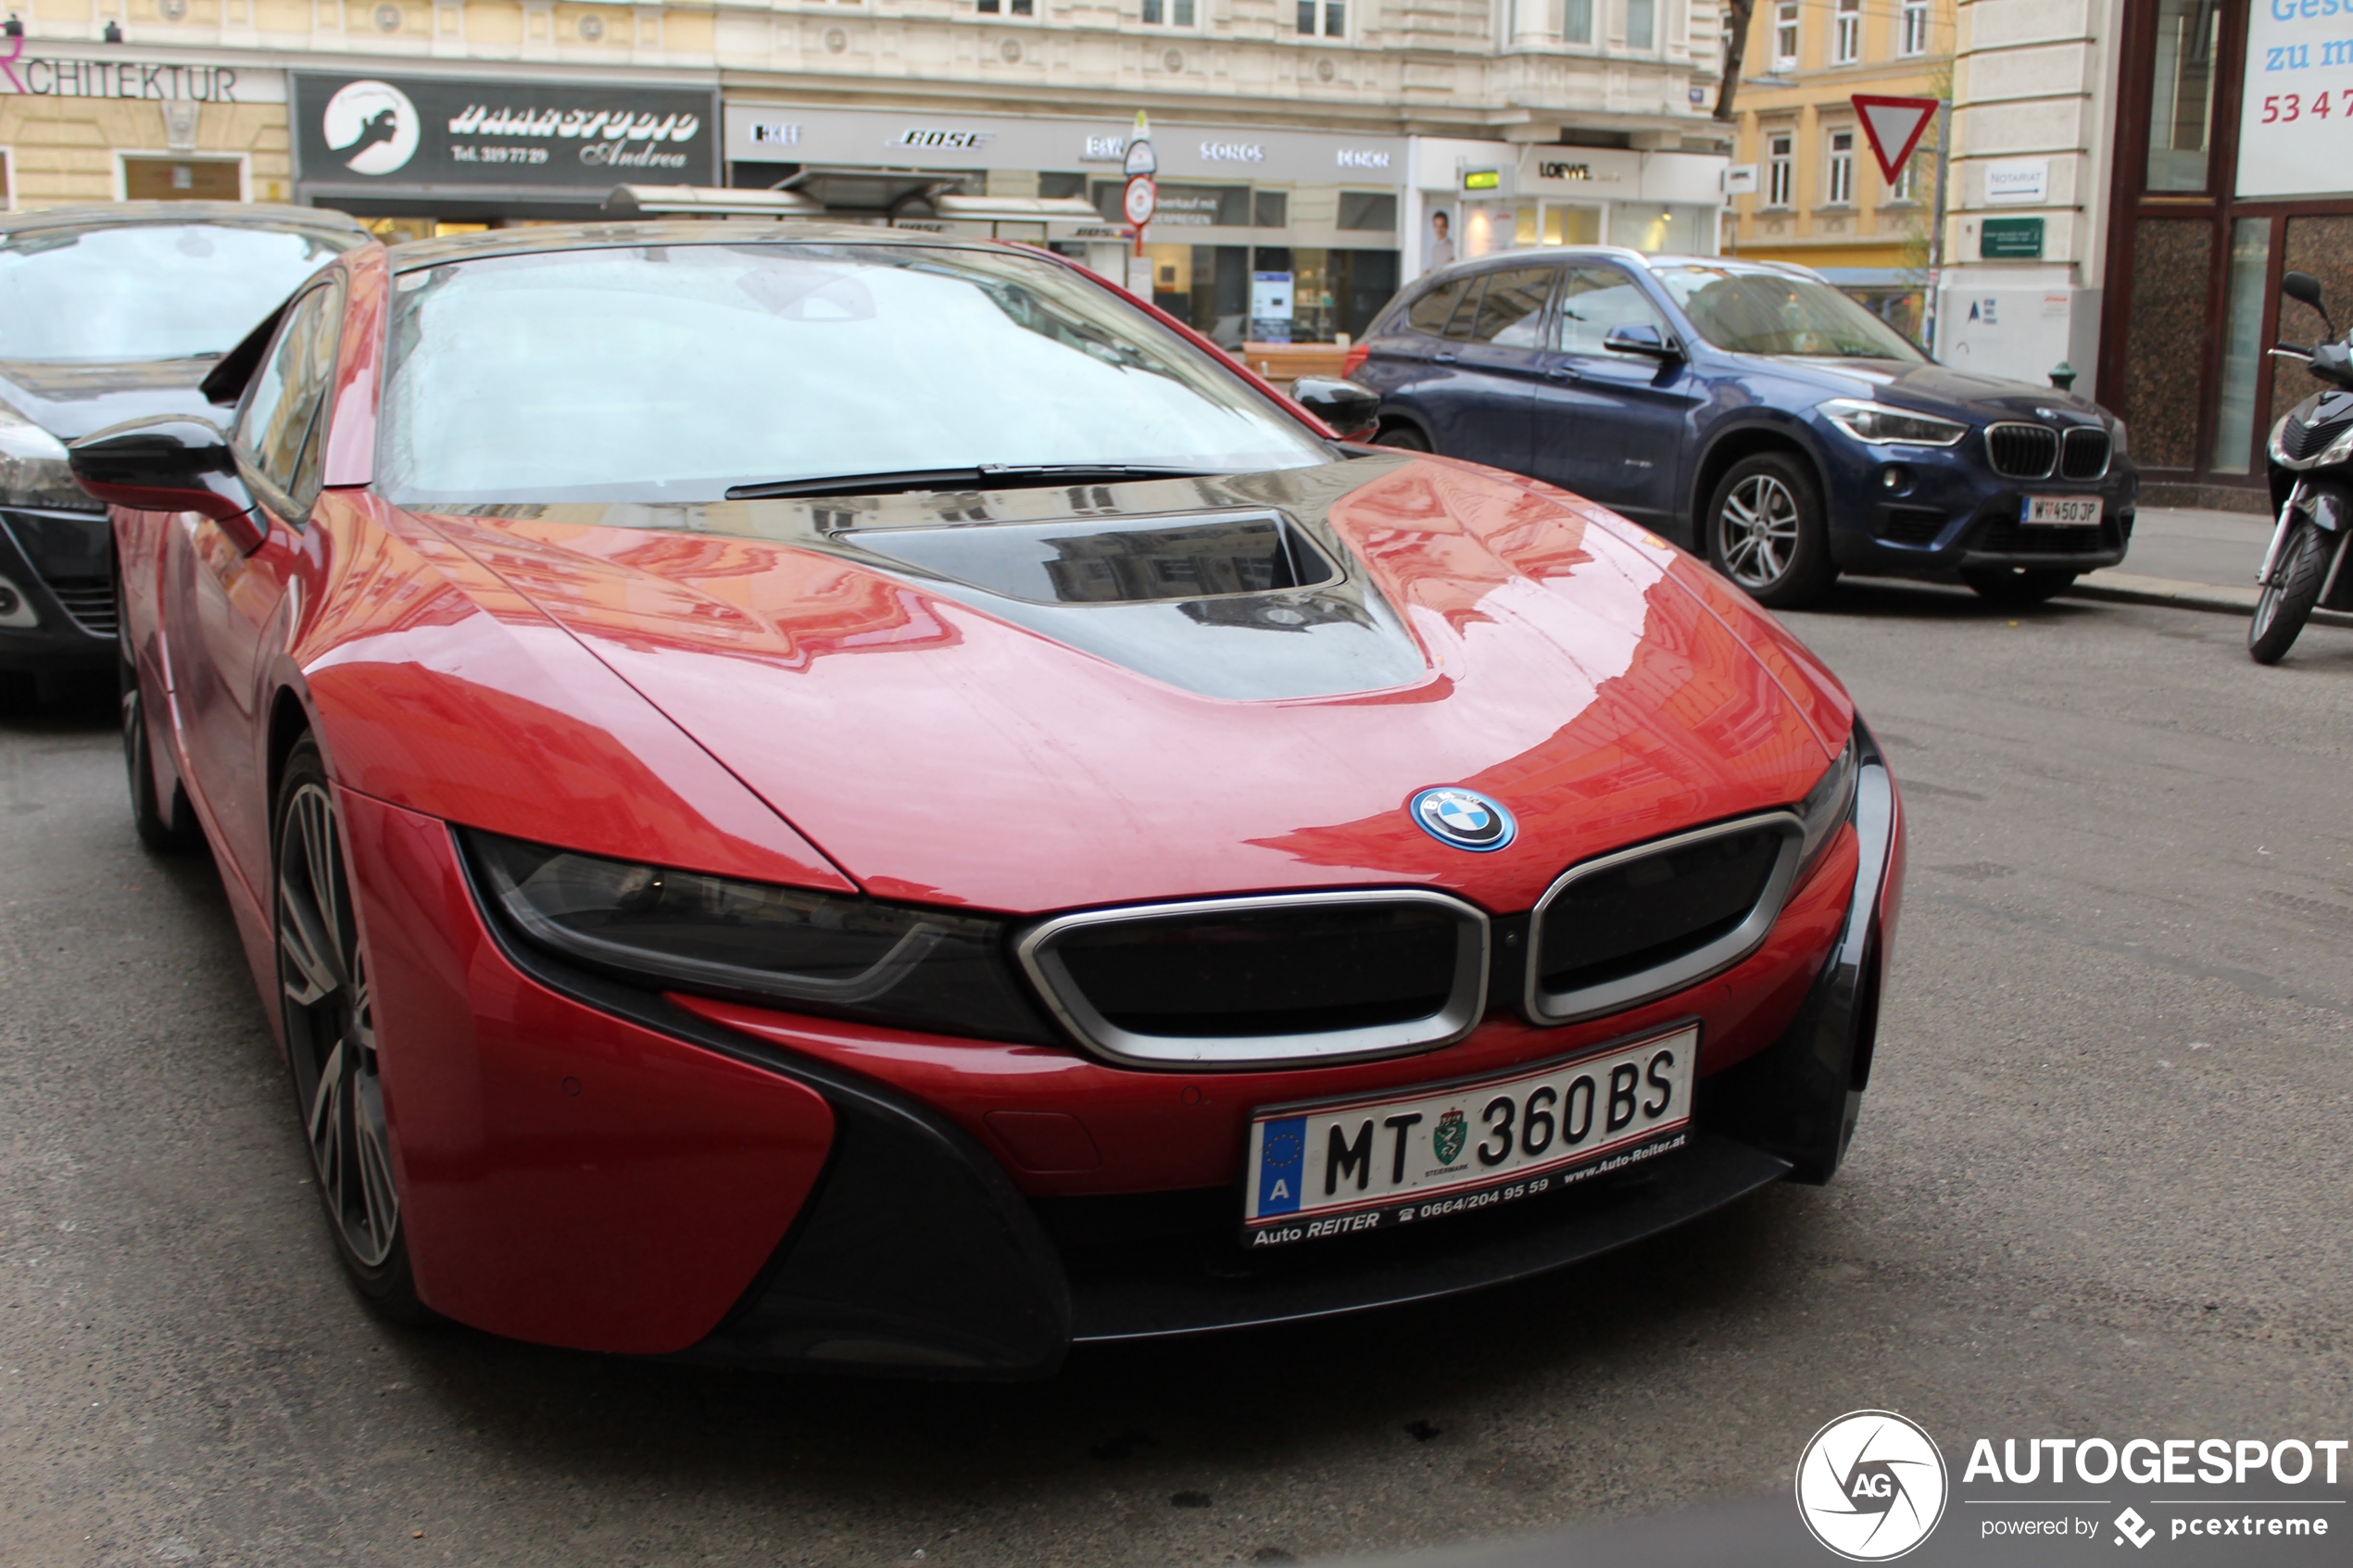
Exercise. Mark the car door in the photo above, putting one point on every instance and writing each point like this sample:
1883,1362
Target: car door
225,600
1483,369
1612,425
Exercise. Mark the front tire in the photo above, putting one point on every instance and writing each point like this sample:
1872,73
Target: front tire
1405,438
166,832
331,1040
2287,600
1767,532
2018,585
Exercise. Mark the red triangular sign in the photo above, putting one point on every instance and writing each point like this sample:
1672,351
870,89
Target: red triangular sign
1894,123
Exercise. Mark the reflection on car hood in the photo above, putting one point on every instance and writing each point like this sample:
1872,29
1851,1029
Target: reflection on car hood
1937,388
1031,699
71,401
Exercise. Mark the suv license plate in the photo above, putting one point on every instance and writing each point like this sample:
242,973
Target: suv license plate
1373,1164
2059,512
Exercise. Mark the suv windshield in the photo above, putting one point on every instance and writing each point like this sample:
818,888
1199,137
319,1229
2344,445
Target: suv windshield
1745,311
121,292
678,372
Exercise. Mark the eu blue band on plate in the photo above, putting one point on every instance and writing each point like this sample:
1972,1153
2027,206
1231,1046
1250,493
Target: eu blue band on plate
1282,1157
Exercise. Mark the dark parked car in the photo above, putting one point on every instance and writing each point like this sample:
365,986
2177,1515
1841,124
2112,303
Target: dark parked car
109,312
1756,412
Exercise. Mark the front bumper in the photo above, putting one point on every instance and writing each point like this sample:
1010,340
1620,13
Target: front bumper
1950,510
56,592
871,1225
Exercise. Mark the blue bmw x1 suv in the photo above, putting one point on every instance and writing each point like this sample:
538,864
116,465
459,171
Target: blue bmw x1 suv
1754,412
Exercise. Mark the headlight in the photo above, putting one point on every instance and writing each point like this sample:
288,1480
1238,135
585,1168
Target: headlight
33,470
2118,426
1829,803
2340,450
814,952
1883,426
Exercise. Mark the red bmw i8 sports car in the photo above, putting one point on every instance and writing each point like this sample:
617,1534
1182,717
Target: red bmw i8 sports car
815,795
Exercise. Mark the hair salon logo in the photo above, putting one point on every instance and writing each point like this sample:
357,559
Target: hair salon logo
374,124
1872,1485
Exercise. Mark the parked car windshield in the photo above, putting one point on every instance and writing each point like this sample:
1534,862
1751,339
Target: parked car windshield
1744,310
677,373
124,292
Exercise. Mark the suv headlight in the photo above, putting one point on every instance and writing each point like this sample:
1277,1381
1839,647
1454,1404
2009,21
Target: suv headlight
2117,426
827,953
1829,803
1883,426
33,470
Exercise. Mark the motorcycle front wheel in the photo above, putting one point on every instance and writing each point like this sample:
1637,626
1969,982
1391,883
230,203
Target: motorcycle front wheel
2289,597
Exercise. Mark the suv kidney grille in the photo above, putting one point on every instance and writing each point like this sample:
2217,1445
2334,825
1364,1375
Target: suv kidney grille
2084,454
2022,451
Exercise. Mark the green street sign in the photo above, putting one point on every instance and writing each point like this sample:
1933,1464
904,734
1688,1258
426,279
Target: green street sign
2011,239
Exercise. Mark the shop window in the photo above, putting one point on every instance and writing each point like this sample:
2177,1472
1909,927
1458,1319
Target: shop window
1056,186
1168,13
1332,291
1838,189
1270,209
1641,24
1846,32
2182,93
1912,28
182,179
1785,35
1779,181
1326,18
1368,210
2241,345
1015,7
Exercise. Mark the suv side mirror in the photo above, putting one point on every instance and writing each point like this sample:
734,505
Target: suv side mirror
1641,337
171,464
1351,410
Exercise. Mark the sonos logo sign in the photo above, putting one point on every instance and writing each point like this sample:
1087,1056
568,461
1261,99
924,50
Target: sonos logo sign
1233,152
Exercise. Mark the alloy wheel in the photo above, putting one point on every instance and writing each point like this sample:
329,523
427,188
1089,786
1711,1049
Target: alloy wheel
331,1032
1758,531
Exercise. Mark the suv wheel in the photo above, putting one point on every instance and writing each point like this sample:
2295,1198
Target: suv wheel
1405,438
1765,531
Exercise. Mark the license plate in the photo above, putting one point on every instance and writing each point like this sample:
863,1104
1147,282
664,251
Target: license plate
1356,1165
2059,512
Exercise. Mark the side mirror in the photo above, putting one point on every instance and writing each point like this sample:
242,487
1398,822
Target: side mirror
2303,287
1351,410
171,464
1641,337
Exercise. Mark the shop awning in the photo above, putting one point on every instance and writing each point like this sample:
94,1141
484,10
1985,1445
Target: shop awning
1016,210
707,201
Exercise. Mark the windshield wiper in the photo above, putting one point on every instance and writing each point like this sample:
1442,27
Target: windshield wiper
1002,476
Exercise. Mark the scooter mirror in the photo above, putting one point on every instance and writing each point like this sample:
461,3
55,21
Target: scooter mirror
2303,286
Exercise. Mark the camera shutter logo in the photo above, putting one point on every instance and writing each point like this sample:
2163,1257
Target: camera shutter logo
1872,1485
373,123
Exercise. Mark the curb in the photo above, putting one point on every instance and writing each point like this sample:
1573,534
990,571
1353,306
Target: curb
2125,587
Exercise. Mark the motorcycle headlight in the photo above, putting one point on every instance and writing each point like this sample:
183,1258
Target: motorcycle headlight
827,953
1883,426
2340,450
33,470
1829,803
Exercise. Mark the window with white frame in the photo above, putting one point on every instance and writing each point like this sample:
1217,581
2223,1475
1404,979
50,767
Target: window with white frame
1785,35
1839,191
1847,36
1905,186
1168,13
1317,18
1641,24
1577,21
1006,8
1779,183
1911,37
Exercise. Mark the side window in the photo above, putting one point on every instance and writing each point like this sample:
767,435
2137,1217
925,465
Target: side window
1511,312
275,429
1593,300
1429,312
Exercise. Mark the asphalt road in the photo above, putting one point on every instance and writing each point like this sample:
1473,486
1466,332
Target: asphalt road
2101,1178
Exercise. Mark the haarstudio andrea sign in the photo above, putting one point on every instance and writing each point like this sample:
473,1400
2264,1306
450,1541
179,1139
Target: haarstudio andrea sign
357,134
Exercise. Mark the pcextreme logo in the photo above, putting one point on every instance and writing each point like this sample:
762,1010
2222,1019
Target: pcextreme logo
1872,1485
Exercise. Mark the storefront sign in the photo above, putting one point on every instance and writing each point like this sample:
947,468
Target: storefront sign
2009,239
407,133
43,77
2295,138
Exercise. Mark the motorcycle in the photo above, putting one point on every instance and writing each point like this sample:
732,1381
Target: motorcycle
2311,472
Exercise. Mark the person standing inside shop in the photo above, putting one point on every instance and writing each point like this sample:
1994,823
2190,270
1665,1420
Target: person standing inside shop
1442,245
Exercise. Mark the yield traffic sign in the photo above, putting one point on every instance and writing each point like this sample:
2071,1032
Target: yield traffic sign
1894,127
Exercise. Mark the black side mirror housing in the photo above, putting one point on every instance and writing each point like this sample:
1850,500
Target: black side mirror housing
1641,337
2303,286
174,463
1351,410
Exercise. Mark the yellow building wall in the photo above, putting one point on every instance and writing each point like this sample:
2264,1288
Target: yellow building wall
66,149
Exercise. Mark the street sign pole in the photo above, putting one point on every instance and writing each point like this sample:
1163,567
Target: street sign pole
1936,233
1140,201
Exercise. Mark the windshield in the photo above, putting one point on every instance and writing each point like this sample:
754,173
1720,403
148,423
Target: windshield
1744,312
677,373
148,291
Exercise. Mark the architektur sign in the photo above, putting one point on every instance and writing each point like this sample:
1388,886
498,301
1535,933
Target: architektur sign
362,135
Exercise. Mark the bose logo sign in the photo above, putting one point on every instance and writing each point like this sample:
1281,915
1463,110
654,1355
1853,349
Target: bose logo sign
967,139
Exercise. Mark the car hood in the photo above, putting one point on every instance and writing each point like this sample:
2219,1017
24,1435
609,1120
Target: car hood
1051,699
71,401
1936,388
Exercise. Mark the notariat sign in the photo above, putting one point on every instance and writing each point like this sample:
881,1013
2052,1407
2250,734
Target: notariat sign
422,135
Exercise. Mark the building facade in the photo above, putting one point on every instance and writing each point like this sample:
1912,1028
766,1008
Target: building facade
1819,196
1294,135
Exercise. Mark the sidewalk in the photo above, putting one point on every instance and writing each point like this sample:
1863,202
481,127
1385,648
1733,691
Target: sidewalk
2193,559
